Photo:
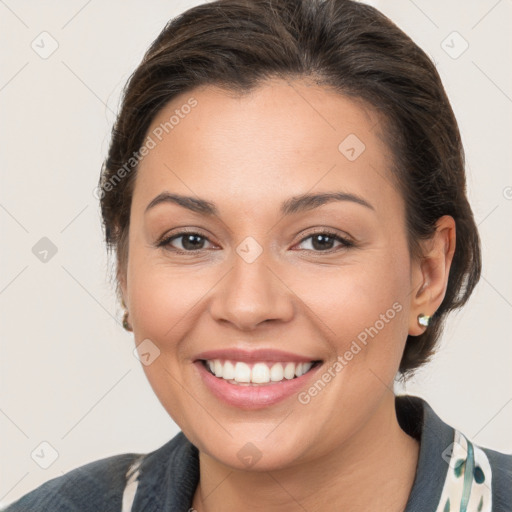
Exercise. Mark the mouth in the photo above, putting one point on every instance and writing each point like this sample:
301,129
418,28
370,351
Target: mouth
254,379
257,373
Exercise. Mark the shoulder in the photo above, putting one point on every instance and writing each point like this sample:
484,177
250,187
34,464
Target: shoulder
453,470
100,485
480,477
95,486
500,465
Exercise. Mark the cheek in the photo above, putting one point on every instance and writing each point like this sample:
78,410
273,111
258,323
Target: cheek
362,308
163,305
163,300
163,297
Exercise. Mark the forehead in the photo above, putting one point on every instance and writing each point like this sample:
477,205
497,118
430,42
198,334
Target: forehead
282,136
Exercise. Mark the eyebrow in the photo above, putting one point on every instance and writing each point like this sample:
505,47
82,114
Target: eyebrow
293,205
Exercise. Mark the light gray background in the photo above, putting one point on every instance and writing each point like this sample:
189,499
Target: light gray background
68,374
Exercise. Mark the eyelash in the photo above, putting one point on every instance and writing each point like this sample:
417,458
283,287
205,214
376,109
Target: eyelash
345,243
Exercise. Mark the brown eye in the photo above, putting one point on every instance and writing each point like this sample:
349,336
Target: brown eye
324,242
184,242
192,242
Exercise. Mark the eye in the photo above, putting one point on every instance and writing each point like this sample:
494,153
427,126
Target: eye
189,242
323,241
186,242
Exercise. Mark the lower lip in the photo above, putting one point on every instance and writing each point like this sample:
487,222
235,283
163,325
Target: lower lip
253,397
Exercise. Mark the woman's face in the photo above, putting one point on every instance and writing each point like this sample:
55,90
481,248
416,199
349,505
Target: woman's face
264,279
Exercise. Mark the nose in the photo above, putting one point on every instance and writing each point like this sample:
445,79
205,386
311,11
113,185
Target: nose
251,294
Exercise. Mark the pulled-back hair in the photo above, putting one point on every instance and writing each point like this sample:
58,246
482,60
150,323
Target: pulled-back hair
341,44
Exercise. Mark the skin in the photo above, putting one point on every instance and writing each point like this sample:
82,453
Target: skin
247,155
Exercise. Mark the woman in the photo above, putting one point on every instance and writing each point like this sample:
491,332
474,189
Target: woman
285,195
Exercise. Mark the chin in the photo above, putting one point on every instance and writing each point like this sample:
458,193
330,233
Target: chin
265,450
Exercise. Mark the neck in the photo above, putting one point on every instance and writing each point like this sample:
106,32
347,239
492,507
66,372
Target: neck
353,477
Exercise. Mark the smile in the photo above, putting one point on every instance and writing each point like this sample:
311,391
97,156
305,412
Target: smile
255,379
257,373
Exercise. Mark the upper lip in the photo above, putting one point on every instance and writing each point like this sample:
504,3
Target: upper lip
261,354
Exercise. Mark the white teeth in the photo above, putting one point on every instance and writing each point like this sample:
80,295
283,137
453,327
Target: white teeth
306,367
260,373
242,372
302,368
218,366
228,372
276,372
289,371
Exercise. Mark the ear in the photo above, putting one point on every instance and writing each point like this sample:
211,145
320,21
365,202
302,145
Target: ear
429,273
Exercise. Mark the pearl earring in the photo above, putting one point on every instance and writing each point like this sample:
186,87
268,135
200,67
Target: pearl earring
424,320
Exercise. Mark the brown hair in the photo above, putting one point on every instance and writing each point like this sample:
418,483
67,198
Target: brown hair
343,44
